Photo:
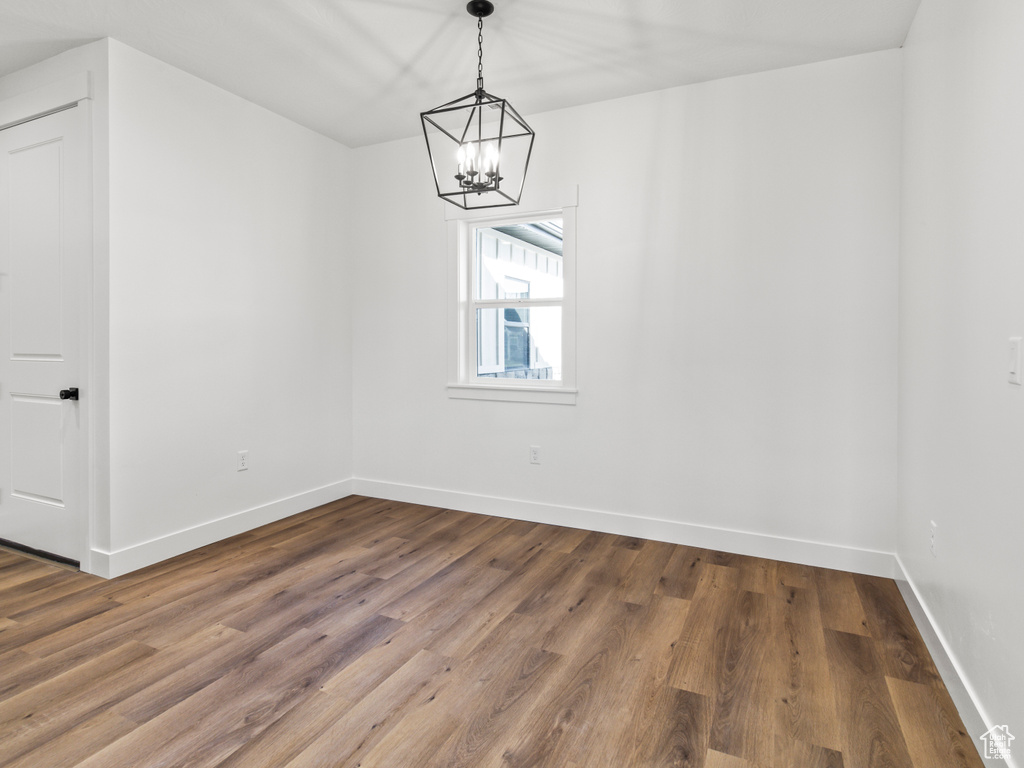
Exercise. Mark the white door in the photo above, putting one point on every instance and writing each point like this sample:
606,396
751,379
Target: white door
45,239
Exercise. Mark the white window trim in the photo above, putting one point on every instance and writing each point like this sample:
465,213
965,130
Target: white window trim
462,382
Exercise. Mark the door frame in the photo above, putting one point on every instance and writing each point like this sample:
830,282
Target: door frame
75,93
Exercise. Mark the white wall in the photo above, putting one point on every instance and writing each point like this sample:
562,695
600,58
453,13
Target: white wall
737,317
961,454
229,313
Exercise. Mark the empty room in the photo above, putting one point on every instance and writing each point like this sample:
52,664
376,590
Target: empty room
422,383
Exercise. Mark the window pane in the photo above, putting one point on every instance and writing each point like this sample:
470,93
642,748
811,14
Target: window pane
519,343
519,261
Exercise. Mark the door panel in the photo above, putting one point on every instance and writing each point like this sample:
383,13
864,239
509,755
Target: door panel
37,461
35,271
45,239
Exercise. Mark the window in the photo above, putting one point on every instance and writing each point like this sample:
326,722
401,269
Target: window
514,314
519,263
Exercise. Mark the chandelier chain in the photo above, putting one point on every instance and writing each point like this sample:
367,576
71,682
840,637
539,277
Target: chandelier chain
480,53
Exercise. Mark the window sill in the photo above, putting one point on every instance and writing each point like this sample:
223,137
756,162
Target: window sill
513,394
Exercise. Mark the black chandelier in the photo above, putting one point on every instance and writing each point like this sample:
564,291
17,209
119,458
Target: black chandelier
479,146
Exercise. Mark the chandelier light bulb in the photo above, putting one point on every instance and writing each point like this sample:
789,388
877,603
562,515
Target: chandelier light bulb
492,160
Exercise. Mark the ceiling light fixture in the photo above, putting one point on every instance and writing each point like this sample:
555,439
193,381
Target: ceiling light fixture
479,146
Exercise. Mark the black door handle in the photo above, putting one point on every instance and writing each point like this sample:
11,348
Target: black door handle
69,394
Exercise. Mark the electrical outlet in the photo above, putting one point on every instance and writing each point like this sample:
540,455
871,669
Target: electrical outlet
932,544
243,461
535,454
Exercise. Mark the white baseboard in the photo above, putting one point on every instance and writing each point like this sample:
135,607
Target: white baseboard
740,542
112,564
875,563
967,704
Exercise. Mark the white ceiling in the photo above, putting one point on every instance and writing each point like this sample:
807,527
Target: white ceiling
361,71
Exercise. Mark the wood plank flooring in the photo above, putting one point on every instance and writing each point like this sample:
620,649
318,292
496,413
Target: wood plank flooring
368,633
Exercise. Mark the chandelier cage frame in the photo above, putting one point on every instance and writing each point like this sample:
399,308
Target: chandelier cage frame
479,145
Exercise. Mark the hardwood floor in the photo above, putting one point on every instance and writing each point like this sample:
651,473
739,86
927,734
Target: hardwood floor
373,633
